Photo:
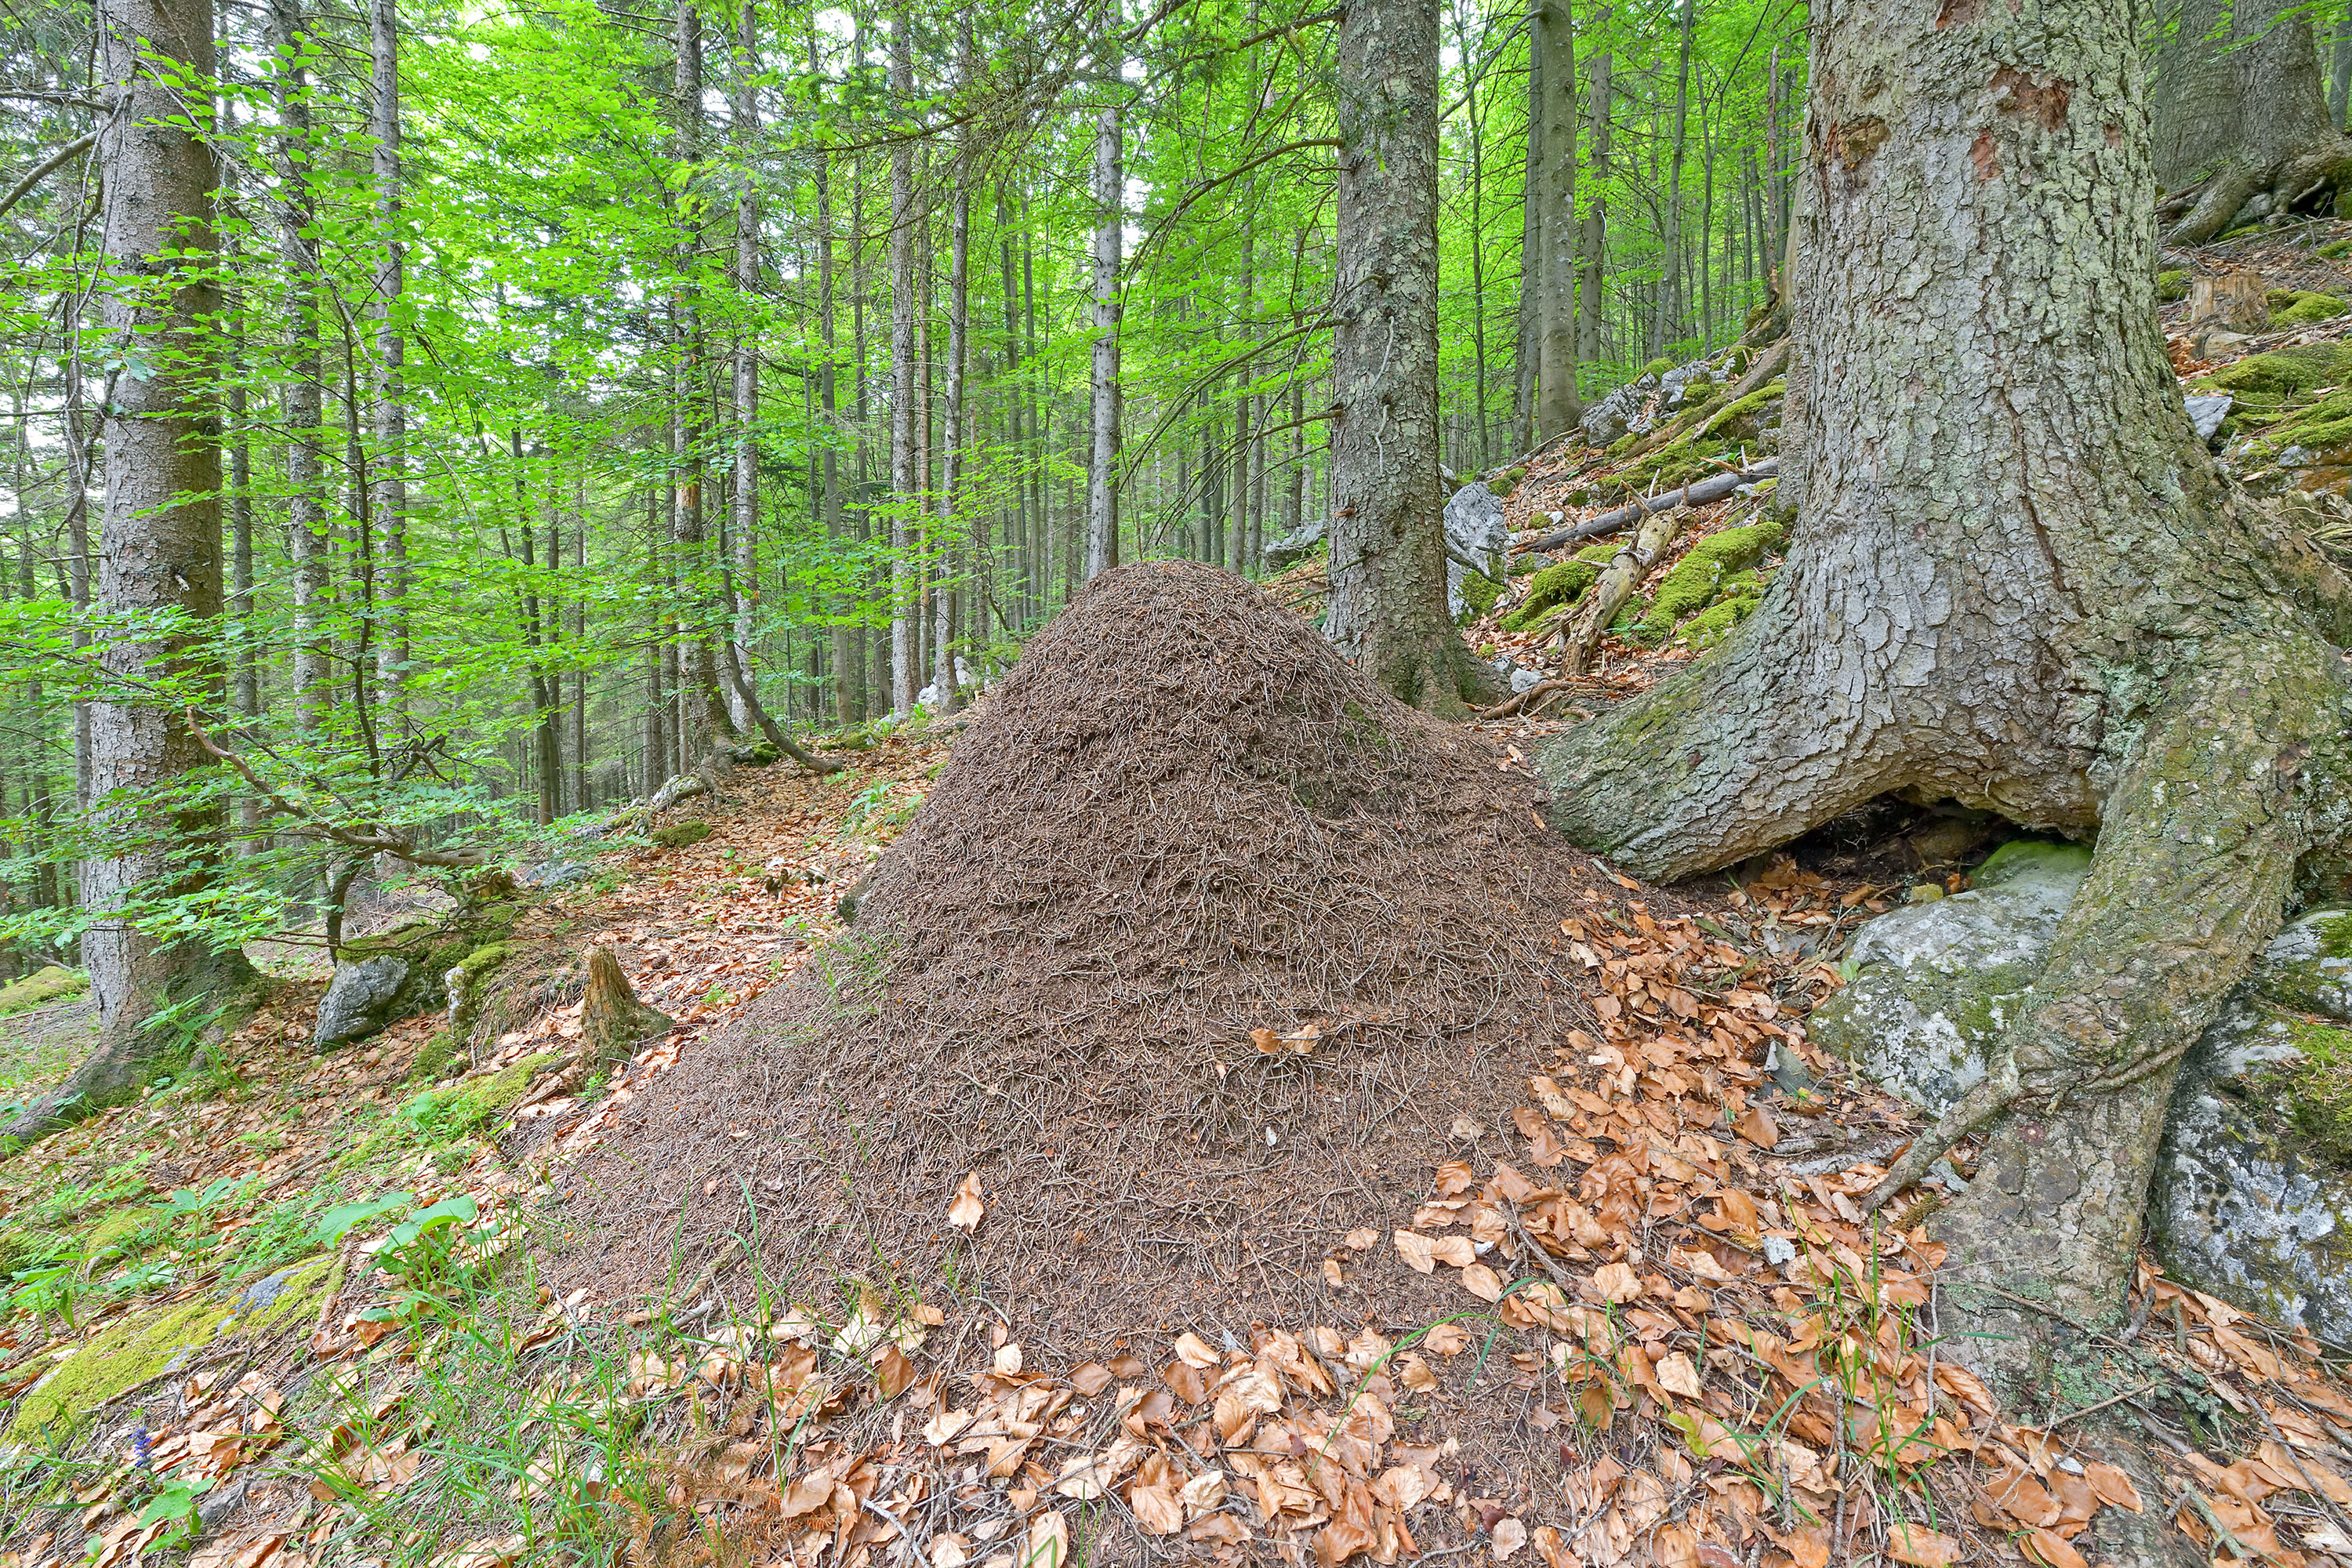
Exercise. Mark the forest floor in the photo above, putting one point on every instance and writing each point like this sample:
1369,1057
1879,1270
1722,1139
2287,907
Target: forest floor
294,1307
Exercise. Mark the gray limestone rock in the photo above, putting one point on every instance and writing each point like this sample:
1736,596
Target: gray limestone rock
1294,547
358,1000
2207,412
1475,533
2252,1198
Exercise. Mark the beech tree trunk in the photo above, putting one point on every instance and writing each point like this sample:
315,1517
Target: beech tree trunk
1592,243
2242,126
306,505
1557,408
744,537
1388,611
2018,582
390,501
906,478
159,535
1102,477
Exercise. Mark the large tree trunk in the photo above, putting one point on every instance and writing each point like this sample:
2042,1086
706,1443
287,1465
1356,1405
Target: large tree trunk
1592,243
159,539
2242,127
2017,582
744,537
1388,536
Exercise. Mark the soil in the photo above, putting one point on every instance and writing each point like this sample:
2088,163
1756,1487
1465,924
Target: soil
1202,953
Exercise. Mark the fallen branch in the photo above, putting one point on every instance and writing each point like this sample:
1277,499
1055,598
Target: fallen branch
768,725
1698,492
1626,569
1518,700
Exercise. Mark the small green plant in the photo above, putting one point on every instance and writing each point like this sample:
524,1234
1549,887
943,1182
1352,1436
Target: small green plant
426,1249
175,1504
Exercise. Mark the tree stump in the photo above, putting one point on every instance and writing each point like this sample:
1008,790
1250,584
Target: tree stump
612,1022
2233,301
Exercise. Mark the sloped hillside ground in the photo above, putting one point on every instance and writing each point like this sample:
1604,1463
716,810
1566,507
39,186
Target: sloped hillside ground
1618,1306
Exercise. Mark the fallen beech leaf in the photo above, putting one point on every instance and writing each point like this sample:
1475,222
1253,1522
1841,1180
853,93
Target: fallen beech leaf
893,1371
1446,1339
1453,1251
1510,1536
1677,1375
1414,1374
1156,1510
2114,1487
1617,1282
965,1211
1008,1360
1363,1238
1924,1548
1049,1541
1482,1282
1203,1492
1758,1128
1416,1251
2049,1547
1194,1353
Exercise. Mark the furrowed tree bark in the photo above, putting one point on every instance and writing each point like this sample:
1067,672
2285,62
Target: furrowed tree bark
744,537
2017,582
848,668
1592,242
1387,610
704,719
2239,104
159,541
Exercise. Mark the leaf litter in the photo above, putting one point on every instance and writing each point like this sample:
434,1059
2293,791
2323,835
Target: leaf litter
1603,1296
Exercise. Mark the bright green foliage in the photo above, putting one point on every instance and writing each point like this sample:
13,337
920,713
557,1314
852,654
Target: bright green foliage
2172,285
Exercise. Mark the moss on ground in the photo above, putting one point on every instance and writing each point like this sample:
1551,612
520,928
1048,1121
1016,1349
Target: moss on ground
677,836
1558,585
1683,460
1738,421
2172,284
143,1344
1734,604
2282,371
1656,367
446,1113
2302,308
42,985
1696,580
2315,1093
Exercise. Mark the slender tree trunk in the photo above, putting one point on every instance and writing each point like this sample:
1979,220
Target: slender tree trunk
1388,609
1102,467
247,673
2053,607
306,507
391,499
159,544
745,537
1592,243
906,387
848,699
943,675
1557,408
1531,254
1666,325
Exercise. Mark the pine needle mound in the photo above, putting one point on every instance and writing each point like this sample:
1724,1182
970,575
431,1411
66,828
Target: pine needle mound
1197,954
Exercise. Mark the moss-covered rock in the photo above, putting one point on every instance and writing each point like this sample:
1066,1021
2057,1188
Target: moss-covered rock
1656,368
442,1114
1479,592
42,985
2296,369
1735,603
2302,308
401,972
678,835
143,1343
1929,987
1696,580
1558,585
2172,284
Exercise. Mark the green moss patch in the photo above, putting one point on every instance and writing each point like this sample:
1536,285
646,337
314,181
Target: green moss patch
1738,421
2297,369
2172,284
1479,592
42,985
1696,580
1558,585
144,1343
677,836
2302,308
1738,601
2315,1093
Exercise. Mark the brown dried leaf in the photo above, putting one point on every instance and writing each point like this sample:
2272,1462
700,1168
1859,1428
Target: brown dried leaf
1482,1282
1617,1282
964,1213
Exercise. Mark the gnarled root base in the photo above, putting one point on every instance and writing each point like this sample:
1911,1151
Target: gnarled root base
2309,182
